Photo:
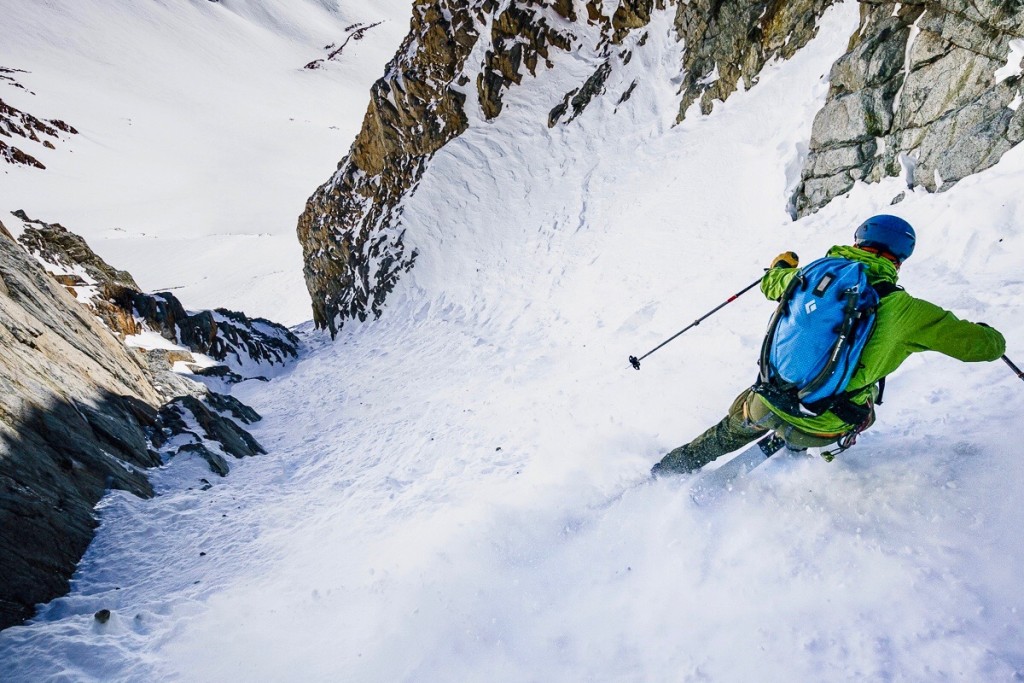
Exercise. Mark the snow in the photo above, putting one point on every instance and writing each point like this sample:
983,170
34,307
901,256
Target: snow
147,339
459,490
1014,62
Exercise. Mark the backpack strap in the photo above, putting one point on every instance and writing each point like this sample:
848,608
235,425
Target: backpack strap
850,320
849,412
884,288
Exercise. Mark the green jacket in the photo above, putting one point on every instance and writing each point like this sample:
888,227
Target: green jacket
904,325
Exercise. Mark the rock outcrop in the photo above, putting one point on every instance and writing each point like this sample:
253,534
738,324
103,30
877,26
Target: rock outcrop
352,243
205,427
729,42
928,90
246,346
81,413
334,51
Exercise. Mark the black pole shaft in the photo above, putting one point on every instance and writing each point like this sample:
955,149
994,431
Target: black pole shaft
635,362
1014,368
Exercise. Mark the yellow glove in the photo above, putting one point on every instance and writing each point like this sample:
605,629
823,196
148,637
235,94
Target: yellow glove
787,259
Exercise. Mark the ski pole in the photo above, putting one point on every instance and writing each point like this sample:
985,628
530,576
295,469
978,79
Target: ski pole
635,362
1014,367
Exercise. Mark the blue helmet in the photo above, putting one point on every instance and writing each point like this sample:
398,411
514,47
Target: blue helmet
888,234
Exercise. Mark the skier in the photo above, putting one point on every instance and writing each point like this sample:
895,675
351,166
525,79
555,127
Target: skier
903,325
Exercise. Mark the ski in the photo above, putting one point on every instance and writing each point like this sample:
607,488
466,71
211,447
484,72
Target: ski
711,485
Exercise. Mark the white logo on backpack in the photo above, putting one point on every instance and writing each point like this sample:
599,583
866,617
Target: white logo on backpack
810,307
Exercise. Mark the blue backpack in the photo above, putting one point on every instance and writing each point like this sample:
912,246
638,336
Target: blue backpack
815,339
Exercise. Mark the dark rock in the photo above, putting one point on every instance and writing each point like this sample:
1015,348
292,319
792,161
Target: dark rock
252,340
354,32
14,122
559,109
218,465
579,98
103,616
628,93
233,439
13,155
224,373
225,403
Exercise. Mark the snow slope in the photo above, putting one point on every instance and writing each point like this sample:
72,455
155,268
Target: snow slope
458,491
201,135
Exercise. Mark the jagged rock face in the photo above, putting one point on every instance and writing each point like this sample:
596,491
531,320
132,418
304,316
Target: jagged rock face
74,407
917,94
351,231
732,41
352,246
240,341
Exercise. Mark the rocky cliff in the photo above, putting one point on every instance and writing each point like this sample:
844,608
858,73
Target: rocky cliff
81,413
73,407
930,90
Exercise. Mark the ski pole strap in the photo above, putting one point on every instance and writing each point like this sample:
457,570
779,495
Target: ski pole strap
849,412
1013,367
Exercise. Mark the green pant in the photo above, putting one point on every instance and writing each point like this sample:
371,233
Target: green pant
748,419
